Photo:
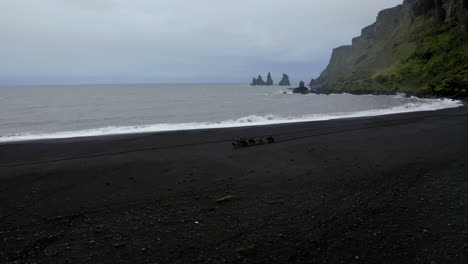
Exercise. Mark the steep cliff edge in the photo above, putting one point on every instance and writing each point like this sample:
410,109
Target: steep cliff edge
419,47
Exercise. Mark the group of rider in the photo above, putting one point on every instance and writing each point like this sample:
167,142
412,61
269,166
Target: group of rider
243,142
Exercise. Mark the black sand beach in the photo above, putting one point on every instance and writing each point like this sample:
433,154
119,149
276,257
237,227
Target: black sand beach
389,189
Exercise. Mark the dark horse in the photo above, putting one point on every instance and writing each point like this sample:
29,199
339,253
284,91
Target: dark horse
241,142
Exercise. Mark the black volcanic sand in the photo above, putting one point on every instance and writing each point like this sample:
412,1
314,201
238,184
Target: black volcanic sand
389,189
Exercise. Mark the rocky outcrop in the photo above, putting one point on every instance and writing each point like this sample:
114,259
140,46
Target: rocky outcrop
314,85
259,80
285,81
254,82
417,47
269,80
302,89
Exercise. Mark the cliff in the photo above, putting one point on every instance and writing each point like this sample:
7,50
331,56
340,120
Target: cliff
419,47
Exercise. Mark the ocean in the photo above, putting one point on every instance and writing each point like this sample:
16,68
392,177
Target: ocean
45,112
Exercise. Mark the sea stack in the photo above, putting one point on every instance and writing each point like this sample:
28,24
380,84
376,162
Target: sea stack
269,80
254,82
258,81
285,80
302,89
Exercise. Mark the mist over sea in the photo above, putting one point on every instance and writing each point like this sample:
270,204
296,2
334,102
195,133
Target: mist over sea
72,111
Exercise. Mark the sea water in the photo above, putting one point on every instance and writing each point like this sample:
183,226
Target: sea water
41,112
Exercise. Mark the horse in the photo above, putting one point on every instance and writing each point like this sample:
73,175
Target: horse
243,142
271,139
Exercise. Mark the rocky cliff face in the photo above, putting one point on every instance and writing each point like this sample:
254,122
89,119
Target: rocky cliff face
419,47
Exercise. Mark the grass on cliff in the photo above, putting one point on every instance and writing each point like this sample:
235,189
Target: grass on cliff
437,66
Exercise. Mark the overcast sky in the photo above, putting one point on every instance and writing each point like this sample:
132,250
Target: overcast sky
160,41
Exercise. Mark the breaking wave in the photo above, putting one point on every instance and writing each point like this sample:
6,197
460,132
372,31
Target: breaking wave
251,120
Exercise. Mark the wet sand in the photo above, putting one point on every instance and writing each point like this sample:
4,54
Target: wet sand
389,189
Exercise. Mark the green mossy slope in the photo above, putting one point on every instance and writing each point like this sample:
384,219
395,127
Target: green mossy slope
409,50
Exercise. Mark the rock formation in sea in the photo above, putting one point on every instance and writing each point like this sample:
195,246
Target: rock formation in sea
254,82
258,81
314,86
302,89
418,47
269,80
285,80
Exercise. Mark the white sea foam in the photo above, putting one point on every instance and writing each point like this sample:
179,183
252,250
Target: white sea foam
252,120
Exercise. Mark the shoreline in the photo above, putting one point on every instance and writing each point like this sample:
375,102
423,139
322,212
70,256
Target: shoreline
383,189
195,126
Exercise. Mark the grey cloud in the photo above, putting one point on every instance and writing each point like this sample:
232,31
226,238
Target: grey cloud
174,40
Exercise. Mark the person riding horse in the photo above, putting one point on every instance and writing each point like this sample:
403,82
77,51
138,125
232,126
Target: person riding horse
271,139
242,142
